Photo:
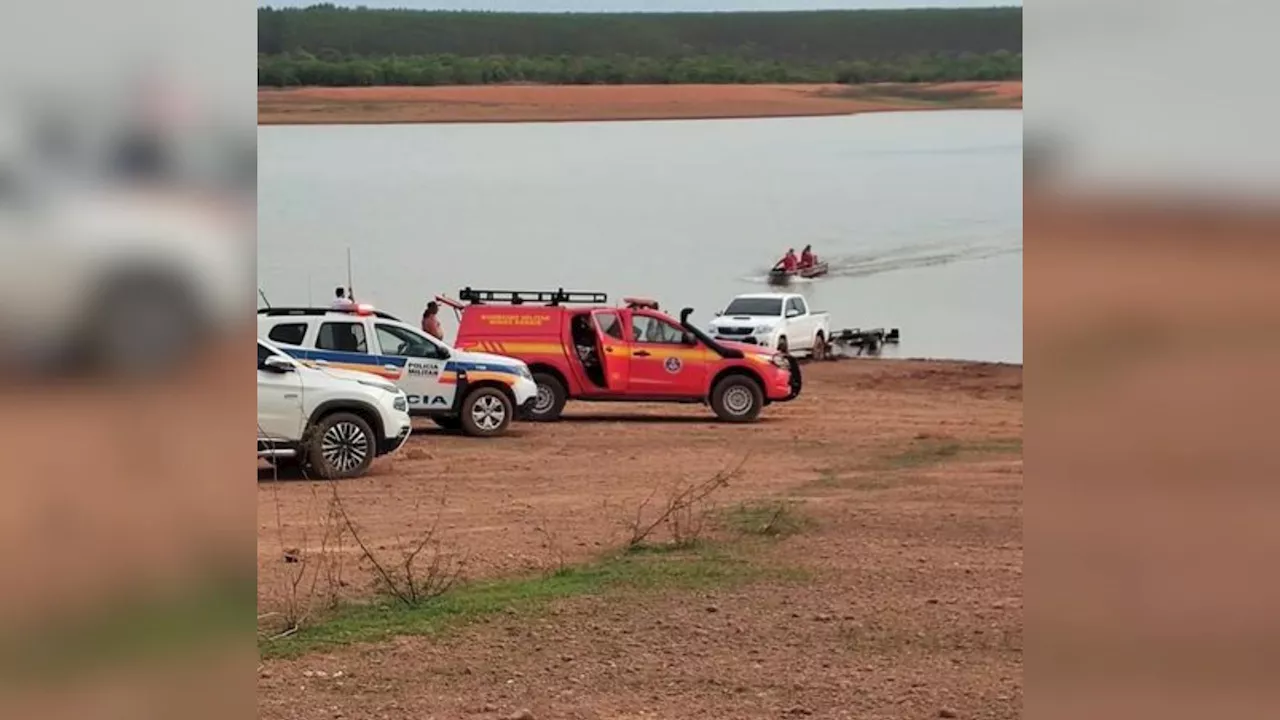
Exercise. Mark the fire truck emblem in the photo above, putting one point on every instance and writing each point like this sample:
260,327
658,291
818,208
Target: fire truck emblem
673,365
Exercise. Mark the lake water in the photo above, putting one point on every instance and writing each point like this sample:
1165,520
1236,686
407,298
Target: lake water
919,214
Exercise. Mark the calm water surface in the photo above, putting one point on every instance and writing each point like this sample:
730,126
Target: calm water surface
920,215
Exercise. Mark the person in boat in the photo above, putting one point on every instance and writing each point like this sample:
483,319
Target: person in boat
788,263
807,258
431,320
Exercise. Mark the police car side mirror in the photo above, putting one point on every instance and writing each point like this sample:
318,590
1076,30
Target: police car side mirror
277,364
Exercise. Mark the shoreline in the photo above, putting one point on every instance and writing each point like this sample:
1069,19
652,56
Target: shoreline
595,103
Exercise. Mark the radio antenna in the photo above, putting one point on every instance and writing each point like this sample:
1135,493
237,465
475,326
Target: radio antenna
351,293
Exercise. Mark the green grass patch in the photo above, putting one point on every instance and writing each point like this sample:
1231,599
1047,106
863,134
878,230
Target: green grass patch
925,453
882,473
865,481
771,518
141,628
829,478
645,568
669,548
871,482
923,94
934,451
999,446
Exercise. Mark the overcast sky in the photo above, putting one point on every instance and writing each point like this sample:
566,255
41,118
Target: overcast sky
646,5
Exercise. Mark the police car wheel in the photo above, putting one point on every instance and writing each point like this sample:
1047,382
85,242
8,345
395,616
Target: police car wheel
341,445
448,422
551,398
486,412
737,398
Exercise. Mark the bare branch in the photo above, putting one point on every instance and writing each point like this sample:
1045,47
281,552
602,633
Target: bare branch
424,569
389,583
685,510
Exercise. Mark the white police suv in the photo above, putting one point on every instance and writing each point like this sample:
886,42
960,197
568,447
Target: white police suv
477,392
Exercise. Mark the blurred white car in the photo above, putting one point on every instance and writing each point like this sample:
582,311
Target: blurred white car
115,276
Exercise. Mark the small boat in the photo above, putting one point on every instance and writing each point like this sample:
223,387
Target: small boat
778,276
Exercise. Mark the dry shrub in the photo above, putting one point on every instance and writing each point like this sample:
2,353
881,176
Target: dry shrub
425,568
314,574
683,513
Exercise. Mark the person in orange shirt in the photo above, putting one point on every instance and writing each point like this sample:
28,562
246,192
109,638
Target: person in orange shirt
788,261
807,258
431,321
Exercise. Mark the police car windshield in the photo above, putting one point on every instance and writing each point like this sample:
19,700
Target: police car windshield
754,306
400,341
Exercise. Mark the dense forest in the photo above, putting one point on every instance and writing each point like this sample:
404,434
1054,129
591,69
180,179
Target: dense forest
326,45
305,69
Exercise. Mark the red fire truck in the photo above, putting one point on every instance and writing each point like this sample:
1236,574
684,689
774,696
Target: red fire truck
578,347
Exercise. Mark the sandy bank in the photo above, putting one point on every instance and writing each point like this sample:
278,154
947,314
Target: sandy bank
549,103
902,589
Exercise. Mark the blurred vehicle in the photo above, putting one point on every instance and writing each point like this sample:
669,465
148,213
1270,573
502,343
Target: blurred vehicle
477,392
332,422
117,273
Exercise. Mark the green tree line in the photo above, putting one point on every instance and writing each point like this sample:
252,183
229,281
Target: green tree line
754,39
334,70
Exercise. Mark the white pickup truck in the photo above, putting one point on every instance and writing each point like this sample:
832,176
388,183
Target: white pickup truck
331,422
774,320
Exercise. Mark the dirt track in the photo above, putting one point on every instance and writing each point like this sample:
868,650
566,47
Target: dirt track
908,474
524,103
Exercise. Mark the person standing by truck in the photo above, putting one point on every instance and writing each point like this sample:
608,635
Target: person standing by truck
431,321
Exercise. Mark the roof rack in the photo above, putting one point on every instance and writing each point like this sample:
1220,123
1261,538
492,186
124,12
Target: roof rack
522,297
313,311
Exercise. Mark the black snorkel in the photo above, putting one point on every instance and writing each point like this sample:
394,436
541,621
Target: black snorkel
721,350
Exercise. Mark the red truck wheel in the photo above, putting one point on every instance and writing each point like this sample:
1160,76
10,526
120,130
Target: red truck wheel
551,398
737,398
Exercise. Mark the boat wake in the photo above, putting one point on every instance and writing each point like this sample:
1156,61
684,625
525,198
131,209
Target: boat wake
902,258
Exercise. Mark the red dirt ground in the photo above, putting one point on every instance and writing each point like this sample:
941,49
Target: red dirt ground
520,103
912,604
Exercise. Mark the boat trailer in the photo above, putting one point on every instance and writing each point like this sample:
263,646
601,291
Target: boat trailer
857,342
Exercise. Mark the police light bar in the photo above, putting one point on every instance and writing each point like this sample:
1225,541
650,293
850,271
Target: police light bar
365,309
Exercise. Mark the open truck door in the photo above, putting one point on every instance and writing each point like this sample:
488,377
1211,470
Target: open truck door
615,353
